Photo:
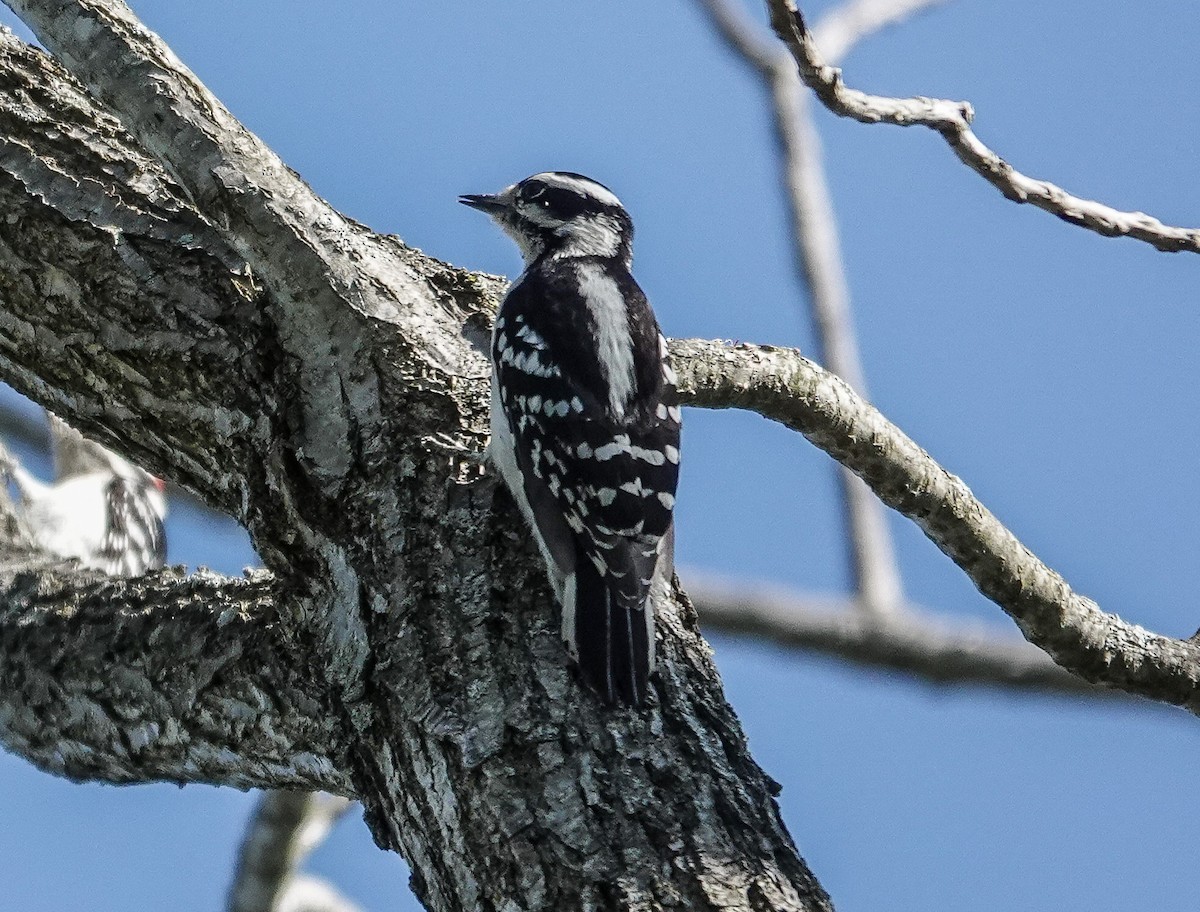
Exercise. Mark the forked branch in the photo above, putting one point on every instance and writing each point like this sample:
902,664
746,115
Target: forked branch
952,119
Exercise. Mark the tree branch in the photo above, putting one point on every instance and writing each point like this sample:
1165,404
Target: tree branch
907,642
782,385
312,259
911,641
164,678
820,266
90,219
952,119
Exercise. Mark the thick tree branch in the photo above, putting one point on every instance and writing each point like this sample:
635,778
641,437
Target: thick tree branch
166,678
952,119
911,642
782,385
314,261
91,220
820,266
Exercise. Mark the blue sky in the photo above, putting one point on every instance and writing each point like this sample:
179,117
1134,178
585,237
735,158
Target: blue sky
1050,368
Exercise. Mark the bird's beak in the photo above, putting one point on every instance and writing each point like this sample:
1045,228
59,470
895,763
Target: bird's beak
484,202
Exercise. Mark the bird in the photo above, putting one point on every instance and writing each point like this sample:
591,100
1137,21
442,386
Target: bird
585,421
101,510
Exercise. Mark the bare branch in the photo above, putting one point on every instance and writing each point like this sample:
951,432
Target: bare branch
911,642
952,119
820,266
284,830
782,385
843,27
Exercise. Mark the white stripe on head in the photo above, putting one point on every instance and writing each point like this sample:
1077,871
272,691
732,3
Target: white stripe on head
584,185
614,342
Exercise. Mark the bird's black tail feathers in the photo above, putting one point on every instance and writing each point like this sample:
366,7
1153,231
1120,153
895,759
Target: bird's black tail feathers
613,629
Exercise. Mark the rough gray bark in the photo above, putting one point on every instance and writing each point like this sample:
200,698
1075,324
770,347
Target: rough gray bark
166,678
163,678
324,385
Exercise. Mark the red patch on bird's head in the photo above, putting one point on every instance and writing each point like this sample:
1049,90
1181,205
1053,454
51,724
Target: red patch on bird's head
160,484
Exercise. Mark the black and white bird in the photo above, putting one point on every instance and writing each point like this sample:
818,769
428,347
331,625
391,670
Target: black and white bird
101,510
585,425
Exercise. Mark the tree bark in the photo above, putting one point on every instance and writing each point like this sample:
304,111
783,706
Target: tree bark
163,679
228,330
198,308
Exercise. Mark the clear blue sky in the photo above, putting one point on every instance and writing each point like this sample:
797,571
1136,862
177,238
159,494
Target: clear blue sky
1052,369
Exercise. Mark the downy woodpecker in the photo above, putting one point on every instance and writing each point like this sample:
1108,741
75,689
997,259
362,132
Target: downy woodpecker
585,425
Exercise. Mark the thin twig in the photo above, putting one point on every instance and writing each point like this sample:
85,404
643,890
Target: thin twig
820,266
952,119
782,385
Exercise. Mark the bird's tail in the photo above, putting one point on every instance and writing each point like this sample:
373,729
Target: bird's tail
613,624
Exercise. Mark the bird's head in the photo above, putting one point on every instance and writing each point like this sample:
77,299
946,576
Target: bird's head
559,214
